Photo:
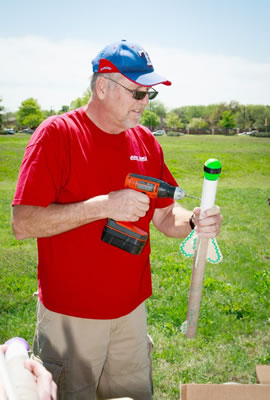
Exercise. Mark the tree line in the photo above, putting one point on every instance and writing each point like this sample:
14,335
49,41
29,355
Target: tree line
231,117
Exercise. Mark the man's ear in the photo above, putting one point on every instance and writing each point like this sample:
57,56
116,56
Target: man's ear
101,87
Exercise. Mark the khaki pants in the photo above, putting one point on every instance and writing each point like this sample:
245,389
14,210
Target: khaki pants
89,358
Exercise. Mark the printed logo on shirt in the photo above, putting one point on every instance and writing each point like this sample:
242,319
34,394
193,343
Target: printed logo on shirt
138,158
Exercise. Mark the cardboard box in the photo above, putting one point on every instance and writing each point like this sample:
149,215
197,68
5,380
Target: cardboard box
225,392
231,391
263,374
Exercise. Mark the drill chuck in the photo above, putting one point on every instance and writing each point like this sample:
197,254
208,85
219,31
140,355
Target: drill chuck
179,193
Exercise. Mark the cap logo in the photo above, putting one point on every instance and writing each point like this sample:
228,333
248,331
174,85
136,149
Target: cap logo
105,68
143,53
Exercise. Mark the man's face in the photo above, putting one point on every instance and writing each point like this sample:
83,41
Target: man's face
124,111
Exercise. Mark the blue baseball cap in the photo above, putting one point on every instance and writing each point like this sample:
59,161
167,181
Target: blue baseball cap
130,60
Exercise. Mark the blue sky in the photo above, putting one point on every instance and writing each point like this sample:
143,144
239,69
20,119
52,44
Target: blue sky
213,51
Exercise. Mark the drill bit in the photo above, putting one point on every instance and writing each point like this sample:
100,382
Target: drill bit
179,194
192,197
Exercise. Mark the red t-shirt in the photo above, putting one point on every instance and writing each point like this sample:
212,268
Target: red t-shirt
68,159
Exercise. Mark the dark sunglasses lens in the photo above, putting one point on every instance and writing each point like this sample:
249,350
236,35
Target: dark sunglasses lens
152,95
138,95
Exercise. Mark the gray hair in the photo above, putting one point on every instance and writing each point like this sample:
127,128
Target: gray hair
97,75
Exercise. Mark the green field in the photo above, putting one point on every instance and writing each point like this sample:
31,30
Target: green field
234,323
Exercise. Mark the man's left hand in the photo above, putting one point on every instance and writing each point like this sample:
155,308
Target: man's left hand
209,224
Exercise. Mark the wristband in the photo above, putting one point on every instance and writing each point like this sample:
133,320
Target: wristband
191,222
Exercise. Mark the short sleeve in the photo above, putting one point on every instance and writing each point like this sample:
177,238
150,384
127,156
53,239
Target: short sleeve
40,176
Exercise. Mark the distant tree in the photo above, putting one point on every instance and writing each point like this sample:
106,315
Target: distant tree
33,120
217,111
234,106
157,107
150,119
198,123
242,118
81,101
267,118
228,120
216,114
255,115
49,113
30,114
63,110
9,120
182,113
1,115
77,103
173,121
187,113
196,112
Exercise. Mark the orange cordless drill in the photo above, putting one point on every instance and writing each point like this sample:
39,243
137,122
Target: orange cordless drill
126,235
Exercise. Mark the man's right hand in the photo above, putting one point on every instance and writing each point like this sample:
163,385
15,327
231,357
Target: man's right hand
127,205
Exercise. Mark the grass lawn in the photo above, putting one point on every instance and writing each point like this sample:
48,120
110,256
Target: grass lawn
234,322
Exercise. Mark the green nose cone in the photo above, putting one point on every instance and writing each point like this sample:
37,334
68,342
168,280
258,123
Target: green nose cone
212,169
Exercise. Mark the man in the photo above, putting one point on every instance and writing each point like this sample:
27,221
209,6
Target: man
91,330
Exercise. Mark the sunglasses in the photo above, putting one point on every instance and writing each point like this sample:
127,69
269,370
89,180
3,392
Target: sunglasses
138,94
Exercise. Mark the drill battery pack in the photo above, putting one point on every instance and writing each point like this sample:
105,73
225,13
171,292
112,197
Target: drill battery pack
125,236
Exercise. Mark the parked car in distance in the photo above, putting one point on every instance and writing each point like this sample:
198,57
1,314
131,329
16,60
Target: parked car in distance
159,132
10,131
27,130
247,133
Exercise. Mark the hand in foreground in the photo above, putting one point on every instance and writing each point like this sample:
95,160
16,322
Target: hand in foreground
209,224
46,387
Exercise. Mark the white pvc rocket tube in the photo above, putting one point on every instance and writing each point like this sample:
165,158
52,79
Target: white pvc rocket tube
212,169
23,382
5,379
